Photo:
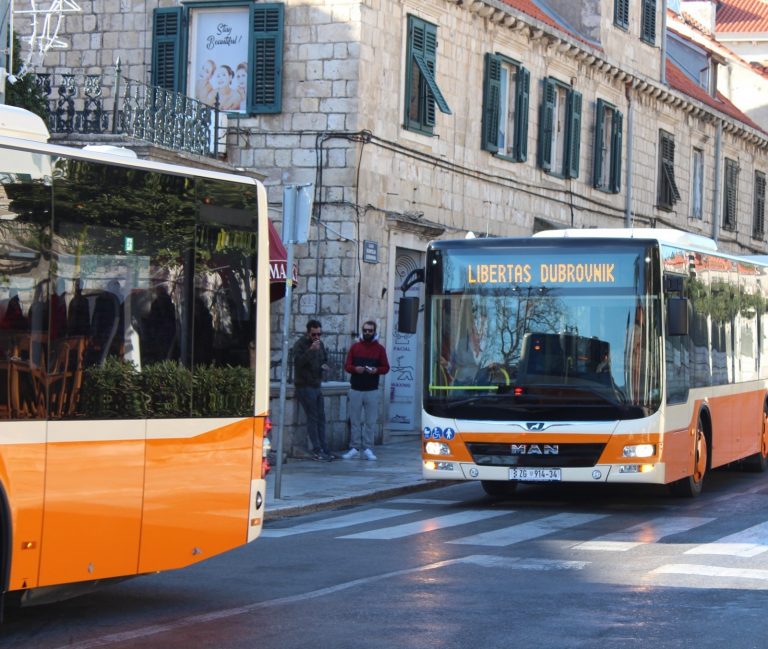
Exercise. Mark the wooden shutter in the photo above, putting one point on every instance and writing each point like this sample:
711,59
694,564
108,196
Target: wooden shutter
758,218
522,99
597,160
574,134
616,148
265,93
546,124
730,198
167,48
491,102
621,13
648,26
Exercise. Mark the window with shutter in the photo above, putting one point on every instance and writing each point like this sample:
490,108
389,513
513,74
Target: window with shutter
668,193
506,88
758,217
559,141
621,13
194,43
730,199
697,184
422,94
606,165
648,22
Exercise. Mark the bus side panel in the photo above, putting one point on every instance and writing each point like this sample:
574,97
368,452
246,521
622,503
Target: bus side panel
22,472
736,421
197,490
93,493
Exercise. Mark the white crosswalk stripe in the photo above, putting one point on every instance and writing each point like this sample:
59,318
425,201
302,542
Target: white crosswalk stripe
527,531
650,531
427,525
337,522
747,543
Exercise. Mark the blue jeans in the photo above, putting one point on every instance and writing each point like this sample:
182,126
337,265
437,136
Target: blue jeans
311,399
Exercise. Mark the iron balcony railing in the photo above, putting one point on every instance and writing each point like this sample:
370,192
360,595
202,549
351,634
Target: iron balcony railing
110,103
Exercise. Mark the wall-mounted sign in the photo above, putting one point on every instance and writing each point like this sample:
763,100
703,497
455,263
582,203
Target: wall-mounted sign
371,252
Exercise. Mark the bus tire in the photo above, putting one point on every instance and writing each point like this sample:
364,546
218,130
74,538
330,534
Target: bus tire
759,461
691,486
499,488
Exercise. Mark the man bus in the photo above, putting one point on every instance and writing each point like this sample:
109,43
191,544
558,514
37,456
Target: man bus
603,356
134,345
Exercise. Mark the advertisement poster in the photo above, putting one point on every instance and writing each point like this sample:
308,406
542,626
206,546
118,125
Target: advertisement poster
218,57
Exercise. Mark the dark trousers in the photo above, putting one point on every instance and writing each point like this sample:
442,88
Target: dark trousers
311,399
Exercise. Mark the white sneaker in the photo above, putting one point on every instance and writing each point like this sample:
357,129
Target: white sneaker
351,454
369,455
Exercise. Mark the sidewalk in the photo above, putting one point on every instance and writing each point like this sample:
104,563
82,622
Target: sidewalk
307,485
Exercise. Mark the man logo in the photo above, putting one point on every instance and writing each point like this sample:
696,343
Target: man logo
534,449
535,425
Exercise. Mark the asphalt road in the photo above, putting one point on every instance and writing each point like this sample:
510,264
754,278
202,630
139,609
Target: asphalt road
566,567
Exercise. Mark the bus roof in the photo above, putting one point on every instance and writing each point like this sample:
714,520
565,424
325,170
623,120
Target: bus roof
665,235
21,123
25,131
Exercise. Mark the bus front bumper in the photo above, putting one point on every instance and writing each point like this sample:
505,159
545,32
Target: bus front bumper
621,473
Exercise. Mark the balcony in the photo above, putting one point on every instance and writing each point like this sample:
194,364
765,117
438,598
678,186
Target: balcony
102,105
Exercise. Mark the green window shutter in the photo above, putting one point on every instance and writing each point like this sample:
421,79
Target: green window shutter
758,219
648,24
616,148
597,162
266,61
522,98
730,198
546,124
574,133
621,13
491,101
167,48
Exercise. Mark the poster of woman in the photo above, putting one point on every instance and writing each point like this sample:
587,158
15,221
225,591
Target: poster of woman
218,64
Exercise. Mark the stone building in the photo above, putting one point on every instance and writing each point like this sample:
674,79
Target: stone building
440,118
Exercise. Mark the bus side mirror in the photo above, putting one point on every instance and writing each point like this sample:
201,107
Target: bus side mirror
408,316
677,316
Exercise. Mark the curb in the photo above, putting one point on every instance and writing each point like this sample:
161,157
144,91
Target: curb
345,501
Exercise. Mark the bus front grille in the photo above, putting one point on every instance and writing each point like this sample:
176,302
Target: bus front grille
536,455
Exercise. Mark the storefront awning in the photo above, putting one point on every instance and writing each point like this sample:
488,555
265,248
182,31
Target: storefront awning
277,264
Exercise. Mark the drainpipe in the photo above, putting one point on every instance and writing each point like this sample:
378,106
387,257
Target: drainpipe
716,204
663,53
630,129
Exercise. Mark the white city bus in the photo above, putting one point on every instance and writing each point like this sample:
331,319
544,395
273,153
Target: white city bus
630,356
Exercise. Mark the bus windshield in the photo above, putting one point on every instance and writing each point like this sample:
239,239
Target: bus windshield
521,331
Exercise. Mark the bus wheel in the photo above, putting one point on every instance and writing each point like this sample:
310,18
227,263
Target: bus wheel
759,461
691,486
499,488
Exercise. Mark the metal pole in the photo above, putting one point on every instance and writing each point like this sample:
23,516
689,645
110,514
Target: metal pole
287,228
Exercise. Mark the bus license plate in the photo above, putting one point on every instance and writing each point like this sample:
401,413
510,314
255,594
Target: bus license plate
535,475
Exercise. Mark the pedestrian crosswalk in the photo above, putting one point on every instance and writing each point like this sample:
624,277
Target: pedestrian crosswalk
586,535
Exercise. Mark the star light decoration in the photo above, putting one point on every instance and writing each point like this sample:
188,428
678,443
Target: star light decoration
47,19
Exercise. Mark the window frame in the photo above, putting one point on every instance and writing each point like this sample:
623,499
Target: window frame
730,194
606,176
494,103
265,50
421,63
667,193
571,138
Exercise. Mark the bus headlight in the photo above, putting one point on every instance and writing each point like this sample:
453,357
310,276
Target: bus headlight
437,448
640,450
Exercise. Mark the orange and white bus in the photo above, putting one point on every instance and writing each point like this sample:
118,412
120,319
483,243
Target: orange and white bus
134,345
597,356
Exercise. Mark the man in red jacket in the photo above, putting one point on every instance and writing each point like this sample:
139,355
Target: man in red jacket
366,361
